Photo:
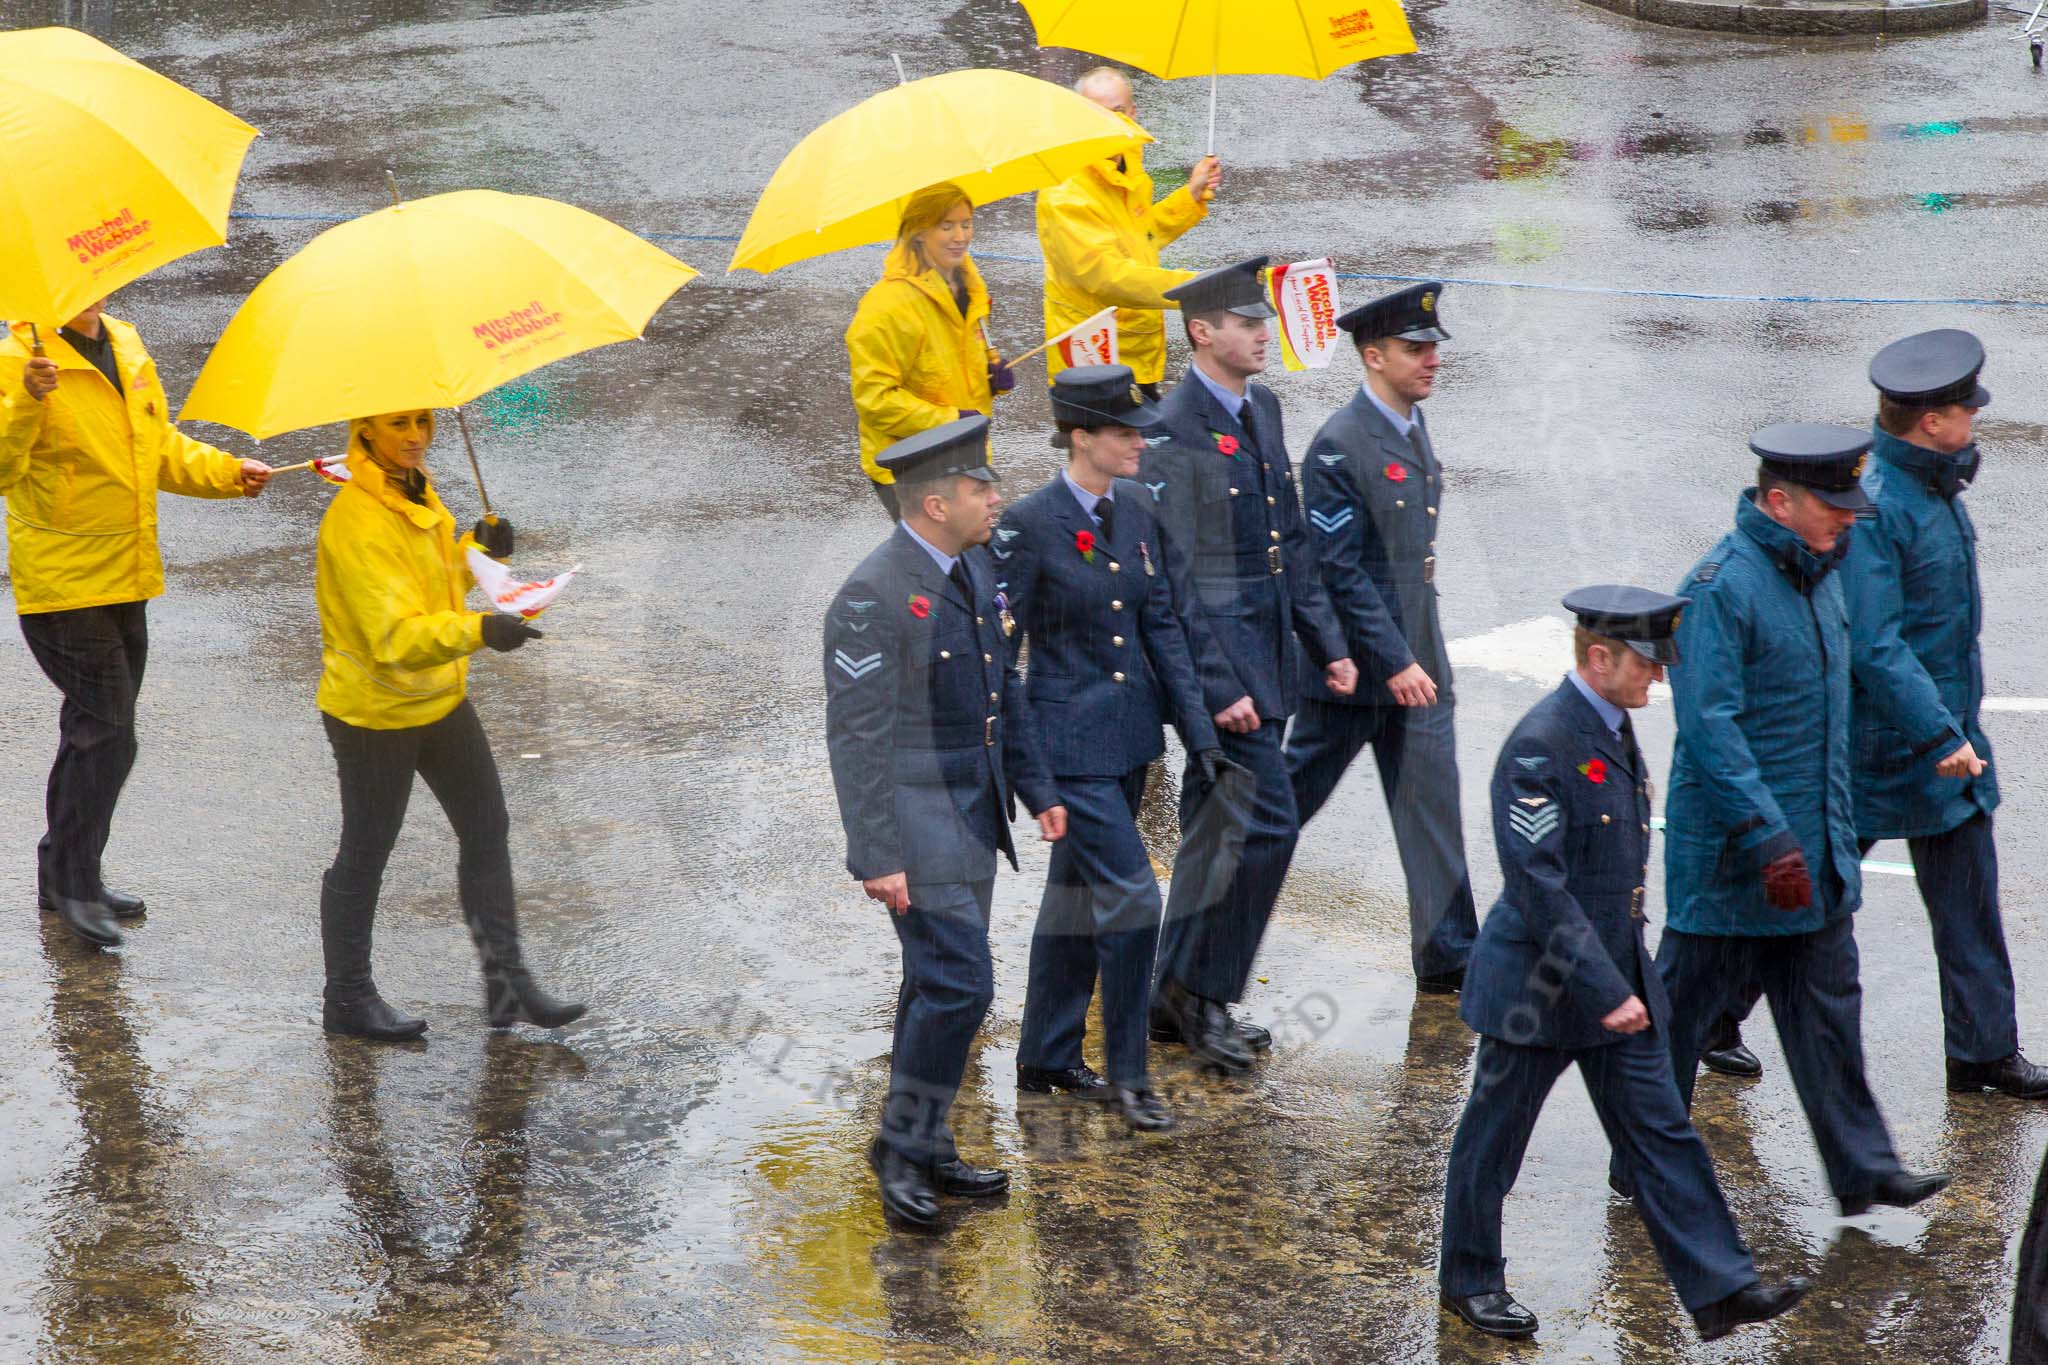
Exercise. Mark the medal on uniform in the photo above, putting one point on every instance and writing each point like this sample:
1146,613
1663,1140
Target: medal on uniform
1003,615
1146,555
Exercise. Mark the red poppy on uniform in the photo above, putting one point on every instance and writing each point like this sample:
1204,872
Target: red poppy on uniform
1397,473
1595,770
1226,444
920,606
1084,541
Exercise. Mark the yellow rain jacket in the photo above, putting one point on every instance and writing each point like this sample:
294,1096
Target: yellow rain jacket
1101,234
395,637
81,469
917,364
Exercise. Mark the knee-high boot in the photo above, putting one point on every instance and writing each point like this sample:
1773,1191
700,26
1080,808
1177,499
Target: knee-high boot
510,994
351,1004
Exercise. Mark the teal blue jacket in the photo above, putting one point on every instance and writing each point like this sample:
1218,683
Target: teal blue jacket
1762,761
1914,615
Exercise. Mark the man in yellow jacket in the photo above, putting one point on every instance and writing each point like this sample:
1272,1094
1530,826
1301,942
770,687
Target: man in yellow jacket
86,440
1101,235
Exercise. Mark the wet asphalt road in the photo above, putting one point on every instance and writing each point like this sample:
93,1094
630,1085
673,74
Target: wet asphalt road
194,1174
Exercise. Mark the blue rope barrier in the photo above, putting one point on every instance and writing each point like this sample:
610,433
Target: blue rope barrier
1608,291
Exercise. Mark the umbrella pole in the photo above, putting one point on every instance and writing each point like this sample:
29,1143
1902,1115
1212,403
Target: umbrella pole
1212,113
474,468
35,342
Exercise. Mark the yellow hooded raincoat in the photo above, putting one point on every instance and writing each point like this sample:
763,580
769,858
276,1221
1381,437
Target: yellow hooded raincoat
81,469
395,637
916,362
1101,235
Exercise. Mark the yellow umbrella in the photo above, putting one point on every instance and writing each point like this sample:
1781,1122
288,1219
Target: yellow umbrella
110,171
992,133
1175,38
428,304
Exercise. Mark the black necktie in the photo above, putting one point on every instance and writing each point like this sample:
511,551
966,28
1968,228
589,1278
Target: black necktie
958,576
1244,419
1419,440
1105,513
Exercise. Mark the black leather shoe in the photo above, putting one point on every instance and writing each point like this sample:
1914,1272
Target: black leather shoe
2014,1076
907,1194
1733,1060
1160,1024
1078,1081
88,920
1902,1190
962,1181
1255,1037
1620,1186
1757,1303
370,1016
1143,1111
1497,1315
1450,983
1203,1025
511,997
121,905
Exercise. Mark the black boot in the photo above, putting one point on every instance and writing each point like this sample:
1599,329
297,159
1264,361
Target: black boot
88,920
351,1004
510,995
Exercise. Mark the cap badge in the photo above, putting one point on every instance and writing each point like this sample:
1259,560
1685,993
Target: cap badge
1861,461
1429,302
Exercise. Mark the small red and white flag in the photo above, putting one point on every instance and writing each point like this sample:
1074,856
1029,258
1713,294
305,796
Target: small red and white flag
511,596
1305,296
333,468
1091,341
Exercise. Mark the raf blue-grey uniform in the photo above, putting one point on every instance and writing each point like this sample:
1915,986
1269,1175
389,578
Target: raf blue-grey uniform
1915,612
1373,489
1108,664
916,669
1237,554
1762,770
1563,948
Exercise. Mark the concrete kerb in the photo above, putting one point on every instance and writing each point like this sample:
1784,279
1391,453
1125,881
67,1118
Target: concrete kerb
1803,18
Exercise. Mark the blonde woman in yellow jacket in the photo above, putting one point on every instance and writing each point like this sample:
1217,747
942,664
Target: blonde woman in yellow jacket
395,641
1101,235
918,344
86,443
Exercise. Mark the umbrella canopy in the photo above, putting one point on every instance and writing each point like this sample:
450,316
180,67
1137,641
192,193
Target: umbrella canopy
992,133
1175,38
428,304
107,171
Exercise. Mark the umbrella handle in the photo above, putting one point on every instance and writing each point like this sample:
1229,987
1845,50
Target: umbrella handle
36,343
474,468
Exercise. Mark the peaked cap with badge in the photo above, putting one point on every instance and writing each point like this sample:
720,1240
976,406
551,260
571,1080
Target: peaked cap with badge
1412,314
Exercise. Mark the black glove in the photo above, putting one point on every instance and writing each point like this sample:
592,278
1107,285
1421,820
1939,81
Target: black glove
1207,760
493,536
506,633
1001,378
1786,883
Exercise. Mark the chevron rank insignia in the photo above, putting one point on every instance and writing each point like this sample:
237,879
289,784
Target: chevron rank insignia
1329,523
1535,826
999,552
1156,487
857,627
1532,764
853,668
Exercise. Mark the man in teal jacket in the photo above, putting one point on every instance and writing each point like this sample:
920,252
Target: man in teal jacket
1762,873
1922,766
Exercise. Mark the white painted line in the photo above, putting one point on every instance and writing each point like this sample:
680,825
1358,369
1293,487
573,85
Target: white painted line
1539,650
1869,864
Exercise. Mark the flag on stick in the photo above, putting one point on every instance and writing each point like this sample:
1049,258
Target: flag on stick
511,596
1305,296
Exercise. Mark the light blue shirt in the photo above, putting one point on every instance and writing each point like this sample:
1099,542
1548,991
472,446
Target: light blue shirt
1233,403
1403,425
1610,714
944,561
1085,498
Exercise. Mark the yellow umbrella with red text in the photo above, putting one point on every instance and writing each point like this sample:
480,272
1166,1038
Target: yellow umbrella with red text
1175,38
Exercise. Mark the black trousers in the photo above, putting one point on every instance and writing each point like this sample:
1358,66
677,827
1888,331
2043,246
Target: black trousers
95,656
453,756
